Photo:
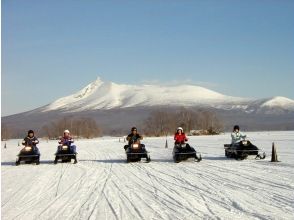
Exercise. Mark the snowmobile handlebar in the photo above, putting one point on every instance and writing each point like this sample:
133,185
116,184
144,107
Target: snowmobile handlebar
137,141
67,143
182,142
29,143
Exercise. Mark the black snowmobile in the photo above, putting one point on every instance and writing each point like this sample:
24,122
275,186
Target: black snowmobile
136,151
242,150
29,154
184,151
65,154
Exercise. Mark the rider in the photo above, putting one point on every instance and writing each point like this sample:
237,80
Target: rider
180,136
67,140
236,135
133,137
31,140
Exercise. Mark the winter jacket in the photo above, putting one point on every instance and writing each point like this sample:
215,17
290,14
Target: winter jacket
30,141
66,140
180,138
237,137
133,138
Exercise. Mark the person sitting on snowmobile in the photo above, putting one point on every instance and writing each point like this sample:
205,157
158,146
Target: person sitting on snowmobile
31,140
236,135
67,140
134,137
180,136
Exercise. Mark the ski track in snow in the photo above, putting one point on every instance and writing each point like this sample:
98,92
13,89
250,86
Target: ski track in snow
103,186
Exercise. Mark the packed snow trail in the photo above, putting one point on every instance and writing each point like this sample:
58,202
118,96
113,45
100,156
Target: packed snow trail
103,186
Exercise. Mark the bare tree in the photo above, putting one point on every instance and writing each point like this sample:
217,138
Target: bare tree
81,127
161,122
5,132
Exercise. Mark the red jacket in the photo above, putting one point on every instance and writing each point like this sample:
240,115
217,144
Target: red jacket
180,138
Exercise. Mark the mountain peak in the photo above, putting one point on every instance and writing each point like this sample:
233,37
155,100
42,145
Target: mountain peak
108,95
89,89
279,101
98,80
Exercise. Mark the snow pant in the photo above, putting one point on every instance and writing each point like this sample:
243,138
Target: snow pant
36,149
188,146
73,148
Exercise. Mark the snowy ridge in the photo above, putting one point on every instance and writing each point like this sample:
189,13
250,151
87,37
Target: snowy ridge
109,95
279,101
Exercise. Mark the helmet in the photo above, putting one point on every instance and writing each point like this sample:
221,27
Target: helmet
30,132
134,129
66,131
236,127
180,128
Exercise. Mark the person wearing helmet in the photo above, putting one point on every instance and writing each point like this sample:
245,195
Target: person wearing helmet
66,139
31,140
180,136
236,135
133,137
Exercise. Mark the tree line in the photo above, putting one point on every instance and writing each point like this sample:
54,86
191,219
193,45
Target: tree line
161,122
5,132
79,127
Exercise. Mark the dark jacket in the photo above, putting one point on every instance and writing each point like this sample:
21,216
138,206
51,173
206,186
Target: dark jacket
133,138
30,141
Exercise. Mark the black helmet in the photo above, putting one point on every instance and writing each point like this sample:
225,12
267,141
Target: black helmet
134,129
30,132
236,127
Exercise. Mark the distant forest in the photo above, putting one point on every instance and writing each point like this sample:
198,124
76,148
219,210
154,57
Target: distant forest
159,123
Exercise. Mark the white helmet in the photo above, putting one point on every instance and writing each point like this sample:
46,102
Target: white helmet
180,128
66,131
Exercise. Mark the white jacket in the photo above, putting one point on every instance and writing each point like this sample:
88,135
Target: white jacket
237,137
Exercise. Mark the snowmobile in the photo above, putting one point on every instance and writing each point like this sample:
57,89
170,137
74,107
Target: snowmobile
136,151
65,154
242,150
29,154
184,151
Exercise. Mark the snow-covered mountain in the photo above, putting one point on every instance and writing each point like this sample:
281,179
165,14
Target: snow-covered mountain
116,107
109,95
279,102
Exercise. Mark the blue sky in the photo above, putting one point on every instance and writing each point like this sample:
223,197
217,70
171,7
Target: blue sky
53,48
